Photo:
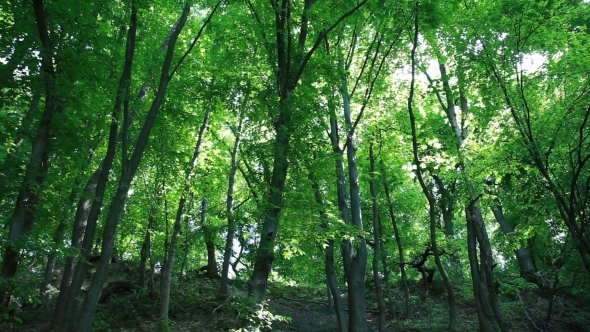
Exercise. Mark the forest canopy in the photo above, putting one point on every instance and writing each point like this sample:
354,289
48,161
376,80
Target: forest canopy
370,149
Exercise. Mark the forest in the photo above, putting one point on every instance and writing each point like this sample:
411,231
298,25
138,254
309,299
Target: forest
209,165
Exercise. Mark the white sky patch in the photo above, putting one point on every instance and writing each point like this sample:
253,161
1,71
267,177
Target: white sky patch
532,63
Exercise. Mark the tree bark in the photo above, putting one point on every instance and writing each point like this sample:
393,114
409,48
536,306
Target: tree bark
377,240
79,228
525,262
188,176
229,210
146,247
27,200
485,269
425,189
129,167
291,63
400,251
331,280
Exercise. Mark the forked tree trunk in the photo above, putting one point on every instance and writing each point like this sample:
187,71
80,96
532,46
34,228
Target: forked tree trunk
63,323
78,231
487,292
129,168
291,63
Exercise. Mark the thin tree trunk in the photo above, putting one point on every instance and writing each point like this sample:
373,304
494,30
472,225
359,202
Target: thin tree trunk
146,247
71,300
400,251
166,234
377,240
331,280
355,252
188,175
186,241
229,210
425,188
129,168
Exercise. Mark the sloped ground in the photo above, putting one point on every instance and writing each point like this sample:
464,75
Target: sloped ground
194,308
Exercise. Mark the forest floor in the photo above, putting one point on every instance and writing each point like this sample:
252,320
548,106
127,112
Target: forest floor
194,307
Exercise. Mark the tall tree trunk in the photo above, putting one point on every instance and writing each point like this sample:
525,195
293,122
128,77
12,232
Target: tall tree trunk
188,176
485,269
27,200
425,189
186,237
146,247
231,220
377,240
57,239
291,63
355,251
129,167
71,300
331,280
400,251
79,228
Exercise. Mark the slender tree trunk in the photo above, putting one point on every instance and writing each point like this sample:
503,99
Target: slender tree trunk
425,188
186,241
80,221
400,251
331,280
188,175
166,235
146,247
355,252
377,240
71,300
231,220
129,167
